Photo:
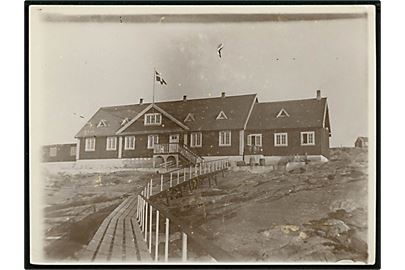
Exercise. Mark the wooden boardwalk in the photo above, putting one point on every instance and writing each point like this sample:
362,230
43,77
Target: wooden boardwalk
117,238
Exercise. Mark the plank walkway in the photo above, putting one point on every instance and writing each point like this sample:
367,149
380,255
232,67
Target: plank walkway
117,238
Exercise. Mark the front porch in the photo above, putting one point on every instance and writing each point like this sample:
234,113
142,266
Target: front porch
170,154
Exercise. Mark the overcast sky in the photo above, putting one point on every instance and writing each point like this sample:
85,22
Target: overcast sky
80,63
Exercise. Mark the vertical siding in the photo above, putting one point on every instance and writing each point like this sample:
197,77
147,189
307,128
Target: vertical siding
210,144
62,153
294,147
100,151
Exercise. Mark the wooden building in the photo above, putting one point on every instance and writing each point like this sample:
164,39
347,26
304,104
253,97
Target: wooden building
189,130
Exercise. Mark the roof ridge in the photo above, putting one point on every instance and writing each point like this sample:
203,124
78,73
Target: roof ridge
177,100
290,100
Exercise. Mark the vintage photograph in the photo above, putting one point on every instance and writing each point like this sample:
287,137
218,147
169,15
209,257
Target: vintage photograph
202,134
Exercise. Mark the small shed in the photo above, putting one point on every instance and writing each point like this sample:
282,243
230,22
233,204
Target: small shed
361,142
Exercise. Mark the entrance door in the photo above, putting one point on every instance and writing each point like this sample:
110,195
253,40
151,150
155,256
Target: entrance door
174,138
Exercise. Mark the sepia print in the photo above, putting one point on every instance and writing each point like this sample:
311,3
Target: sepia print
202,134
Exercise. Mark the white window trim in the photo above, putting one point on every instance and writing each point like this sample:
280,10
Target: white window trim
73,153
280,134
192,142
109,147
126,143
307,132
152,145
249,139
51,154
230,138
87,145
189,118
222,116
281,112
102,123
154,123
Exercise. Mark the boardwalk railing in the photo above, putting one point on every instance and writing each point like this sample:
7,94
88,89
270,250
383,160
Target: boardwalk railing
148,220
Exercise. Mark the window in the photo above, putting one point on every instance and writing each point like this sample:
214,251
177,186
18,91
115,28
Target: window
308,138
254,139
280,139
224,138
283,113
189,118
129,143
152,140
102,123
153,119
111,143
124,121
73,150
222,116
90,144
52,151
196,139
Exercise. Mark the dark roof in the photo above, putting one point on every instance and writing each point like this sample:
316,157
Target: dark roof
302,114
204,111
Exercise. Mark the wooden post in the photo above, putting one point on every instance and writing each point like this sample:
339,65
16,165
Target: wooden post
171,179
200,168
150,228
147,191
178,177
137,208
185,172
191,172
161,182
184,248
157,237
146,221
151,187
167,240
195,170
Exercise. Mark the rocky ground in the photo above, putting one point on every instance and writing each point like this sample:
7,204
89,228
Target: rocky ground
76,204
317,213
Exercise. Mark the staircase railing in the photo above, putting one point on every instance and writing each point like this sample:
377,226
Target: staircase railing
145,208
169,148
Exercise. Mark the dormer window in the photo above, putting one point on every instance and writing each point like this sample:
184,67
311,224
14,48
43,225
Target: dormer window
102,123
283,113
124,121
222,116
189,118
152,119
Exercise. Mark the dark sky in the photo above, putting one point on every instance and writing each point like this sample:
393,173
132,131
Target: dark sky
84,59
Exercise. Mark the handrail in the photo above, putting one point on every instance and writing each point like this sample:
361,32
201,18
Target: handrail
145,207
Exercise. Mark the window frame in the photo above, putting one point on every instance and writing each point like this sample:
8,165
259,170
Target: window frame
220,137
126,142
307,133
87,145
249,139
193,143
108,146
154,122
152,146
281,144
51,152
73,153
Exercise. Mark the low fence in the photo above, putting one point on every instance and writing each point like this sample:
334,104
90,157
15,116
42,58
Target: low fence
146,207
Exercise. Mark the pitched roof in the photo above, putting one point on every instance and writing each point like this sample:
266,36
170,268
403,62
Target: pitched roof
364,139
204,110
302,114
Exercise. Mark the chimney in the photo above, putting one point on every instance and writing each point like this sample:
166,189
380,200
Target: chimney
184,98
141,101
318,94
223,94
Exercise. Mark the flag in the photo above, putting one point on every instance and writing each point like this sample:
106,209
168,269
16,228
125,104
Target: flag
159,78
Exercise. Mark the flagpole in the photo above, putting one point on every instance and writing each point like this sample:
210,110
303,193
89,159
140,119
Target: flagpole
154,81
